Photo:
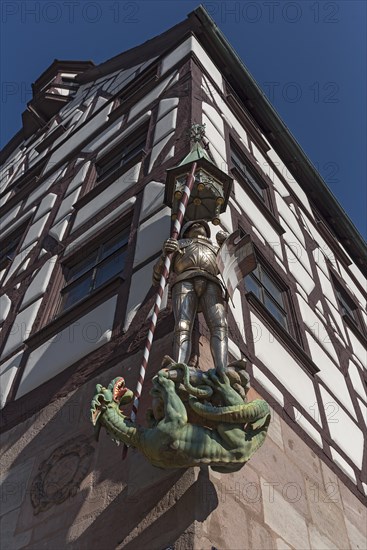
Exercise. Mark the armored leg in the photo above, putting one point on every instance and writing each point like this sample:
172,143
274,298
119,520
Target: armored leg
184,304
214,309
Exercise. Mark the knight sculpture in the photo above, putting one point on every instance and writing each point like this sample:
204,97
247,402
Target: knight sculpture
197,418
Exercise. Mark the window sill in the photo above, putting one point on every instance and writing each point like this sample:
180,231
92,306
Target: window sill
102,184
286,338
259,203
66,318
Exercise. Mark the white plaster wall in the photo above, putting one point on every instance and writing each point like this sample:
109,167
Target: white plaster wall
5,305
80,338
8,370
21,328
276,358
45,206
39,282
124,182
119,210
343,430
151,235
79,136
268,385
152,199
151,96
66,207
141,282
258,219
330,374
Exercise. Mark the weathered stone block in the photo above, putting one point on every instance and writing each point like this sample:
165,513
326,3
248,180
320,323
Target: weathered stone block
282,517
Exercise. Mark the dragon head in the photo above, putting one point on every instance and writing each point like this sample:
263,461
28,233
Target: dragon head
115,394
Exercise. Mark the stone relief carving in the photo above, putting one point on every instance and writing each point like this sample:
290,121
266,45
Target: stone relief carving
60,475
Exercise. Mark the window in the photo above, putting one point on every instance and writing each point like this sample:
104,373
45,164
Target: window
239,161
107,260
272,296
119,157
348,308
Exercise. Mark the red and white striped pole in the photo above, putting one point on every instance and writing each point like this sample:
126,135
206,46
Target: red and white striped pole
162,284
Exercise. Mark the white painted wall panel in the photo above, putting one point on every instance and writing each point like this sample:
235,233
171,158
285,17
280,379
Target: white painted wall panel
358,349
66,207
9,216
8,370
123,135
5,305
268,385
343,430
141,281
276,358
151,96
77,340
287,175
317,328
299,272
34,232
262,224
166,125
45,206
20,262
356,380
124,182
39,283
152,199
327,289
78,179
119,210
343,464
157,149
58,231
308,427
45,185
215,140
353,287
109,133
151,235
21,328
79,136
330,374
166,105
289,218
175,56
297,248
16,223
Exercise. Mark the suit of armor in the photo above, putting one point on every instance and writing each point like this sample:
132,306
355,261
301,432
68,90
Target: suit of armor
196,288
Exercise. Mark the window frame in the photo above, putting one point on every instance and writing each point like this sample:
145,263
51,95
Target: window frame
293,331
246,178
96,246
121,167
355,321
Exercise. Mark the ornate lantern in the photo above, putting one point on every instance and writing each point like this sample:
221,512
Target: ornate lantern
212,186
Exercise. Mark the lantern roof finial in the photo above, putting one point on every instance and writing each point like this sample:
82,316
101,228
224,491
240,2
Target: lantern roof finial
198,149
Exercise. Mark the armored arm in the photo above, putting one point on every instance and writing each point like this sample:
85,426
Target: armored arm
170,246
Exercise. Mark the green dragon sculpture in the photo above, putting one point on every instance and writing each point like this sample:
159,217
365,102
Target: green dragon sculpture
226,433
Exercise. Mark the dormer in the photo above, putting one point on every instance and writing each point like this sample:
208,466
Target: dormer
51,91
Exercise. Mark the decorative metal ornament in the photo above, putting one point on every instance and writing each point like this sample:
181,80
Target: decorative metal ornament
212,186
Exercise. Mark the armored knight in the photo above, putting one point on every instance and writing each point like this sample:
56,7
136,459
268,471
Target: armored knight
196,288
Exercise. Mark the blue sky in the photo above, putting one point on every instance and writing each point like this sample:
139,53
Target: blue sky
307,56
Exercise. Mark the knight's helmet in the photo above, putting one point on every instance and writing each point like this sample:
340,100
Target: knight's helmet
189,224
